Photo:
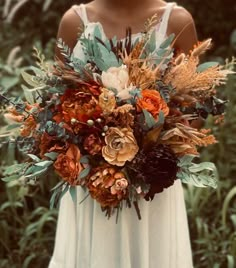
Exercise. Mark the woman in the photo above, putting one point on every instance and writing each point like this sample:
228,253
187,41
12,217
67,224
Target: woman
85,238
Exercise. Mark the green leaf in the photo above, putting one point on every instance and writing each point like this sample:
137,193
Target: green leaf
28,94
34,157
204,66
151,44
13,169
84,159
45,163
30,79
38,72
84,173
60,184
72,191
108,57
13,126
161,119
7,82
230,261
11,178
149,119
168,41
200,175
52,155
186,160
57,195
37,173
53,199
202,166
28,260
97,32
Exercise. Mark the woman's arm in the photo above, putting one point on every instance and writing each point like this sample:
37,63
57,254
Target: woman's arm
182,25
69,29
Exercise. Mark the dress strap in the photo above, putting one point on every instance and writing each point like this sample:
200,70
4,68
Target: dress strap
80,10
165,18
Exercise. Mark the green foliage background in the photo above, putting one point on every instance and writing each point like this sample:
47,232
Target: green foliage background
27,226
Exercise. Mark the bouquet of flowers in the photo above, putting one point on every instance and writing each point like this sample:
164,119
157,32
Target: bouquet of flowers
119,120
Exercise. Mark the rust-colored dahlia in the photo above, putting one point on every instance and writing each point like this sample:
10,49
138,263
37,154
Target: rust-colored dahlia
152,101
51,144
77,105
121,146
108,186
68,165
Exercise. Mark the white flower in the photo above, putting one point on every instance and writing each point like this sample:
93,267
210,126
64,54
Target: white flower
120,185
118,78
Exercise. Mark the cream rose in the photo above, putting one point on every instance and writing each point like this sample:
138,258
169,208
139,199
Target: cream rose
118,78
119,186
121,146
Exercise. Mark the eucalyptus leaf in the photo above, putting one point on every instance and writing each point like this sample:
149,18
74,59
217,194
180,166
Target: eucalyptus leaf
201,175
59,185
150,46
204,66
149,119
11,178
7,82
166,43
30,79
72,191
13,169
37,173
13,126
84,159
34,157
108,57
52,155
63,192
97,32
45,163
84,173
161,119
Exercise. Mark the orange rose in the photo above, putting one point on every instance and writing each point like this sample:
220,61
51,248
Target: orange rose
152,102
68,165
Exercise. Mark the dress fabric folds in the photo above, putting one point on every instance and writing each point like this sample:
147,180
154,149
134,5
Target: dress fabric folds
85,238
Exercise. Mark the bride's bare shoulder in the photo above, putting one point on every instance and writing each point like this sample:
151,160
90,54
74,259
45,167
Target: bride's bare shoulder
69,28
70,19
179,18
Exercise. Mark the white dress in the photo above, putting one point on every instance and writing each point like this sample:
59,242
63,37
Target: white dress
85,238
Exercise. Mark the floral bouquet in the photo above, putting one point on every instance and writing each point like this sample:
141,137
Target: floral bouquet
118,121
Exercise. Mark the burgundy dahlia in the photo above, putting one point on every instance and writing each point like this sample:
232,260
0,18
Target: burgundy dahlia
156,167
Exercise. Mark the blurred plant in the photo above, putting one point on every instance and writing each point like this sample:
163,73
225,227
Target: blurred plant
10,70
212,214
